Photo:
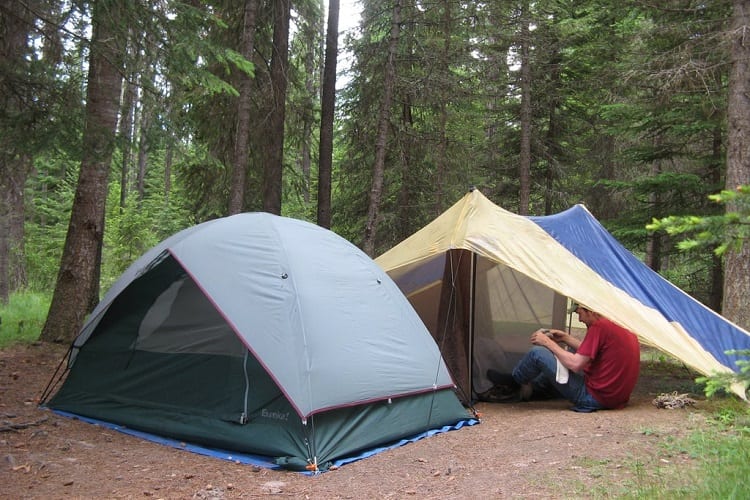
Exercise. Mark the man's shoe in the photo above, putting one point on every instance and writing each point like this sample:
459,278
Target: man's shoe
500,394
526,391
499,378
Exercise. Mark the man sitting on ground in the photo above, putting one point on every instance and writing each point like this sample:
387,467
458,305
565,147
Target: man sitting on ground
602,369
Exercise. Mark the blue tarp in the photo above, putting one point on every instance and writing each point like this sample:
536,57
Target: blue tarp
579,232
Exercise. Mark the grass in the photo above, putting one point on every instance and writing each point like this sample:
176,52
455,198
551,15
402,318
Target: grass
711,459
22,319
723,449
719,462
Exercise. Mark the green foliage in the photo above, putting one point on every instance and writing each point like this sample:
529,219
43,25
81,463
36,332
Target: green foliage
50,198
631,94
720,383
653,196
198,63
132,229
22,319
717,231
205,184
129,233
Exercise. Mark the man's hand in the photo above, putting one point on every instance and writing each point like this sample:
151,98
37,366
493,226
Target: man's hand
542,338
558,335
550,338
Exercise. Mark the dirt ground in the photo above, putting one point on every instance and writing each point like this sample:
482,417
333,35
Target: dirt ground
532,450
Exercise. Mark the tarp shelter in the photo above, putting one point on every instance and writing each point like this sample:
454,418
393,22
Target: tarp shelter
483,279
264,335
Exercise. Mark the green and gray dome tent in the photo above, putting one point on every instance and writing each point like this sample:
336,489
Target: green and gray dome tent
263,335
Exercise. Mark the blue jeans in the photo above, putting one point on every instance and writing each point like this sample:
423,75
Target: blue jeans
539,367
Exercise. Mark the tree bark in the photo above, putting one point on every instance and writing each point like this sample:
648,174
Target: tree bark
15,163
554,128
125,131
327,113
272,174
736,306
168,159
378,170
653,239
441,160
524,166
77,288
144,146
716,293
314,72
244,114
145,125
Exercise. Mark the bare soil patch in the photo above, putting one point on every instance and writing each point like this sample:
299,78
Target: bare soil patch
536,449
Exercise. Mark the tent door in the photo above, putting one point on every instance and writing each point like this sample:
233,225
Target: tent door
243,416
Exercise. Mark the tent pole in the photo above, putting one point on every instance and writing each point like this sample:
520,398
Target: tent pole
472,290
56,377
308,425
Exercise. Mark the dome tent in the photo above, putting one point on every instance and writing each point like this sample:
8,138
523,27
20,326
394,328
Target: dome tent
260,334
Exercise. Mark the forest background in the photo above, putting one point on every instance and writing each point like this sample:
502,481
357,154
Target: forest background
122,122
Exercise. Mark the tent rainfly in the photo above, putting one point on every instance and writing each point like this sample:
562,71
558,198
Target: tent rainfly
263,335
482,279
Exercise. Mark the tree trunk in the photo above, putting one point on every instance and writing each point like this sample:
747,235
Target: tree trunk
524,167
168,158
654,238
244,114
150,105
125,132
77,288
554,128
143,147
442,146
15,164
736,305
273,170
327,112
378,170
716,294
12,180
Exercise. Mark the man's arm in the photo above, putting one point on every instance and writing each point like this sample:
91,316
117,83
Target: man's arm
572,361
566,338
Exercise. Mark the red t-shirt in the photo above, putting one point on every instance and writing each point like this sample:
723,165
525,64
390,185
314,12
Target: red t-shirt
615,362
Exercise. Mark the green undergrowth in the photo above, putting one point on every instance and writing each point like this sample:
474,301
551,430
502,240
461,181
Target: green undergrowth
22,318
711,460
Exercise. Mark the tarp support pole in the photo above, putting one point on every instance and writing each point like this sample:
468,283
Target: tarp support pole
472,305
